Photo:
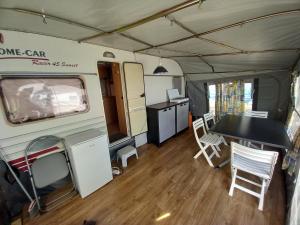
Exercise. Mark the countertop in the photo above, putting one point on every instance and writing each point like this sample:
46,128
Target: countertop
163,105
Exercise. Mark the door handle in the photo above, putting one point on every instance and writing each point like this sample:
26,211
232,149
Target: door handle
142,95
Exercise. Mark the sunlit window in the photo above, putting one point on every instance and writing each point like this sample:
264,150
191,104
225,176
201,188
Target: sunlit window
212,97
30,99
248,96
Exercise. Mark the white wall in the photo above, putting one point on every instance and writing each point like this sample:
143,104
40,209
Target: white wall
83,59
156,89
156,86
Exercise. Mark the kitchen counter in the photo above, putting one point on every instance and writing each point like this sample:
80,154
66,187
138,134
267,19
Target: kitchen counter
166,119
163,105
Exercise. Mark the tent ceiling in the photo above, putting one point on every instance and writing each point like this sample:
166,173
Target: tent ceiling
196,46
152,32
216,13
117,41
260,35
216,36
103,14
162,52
29,23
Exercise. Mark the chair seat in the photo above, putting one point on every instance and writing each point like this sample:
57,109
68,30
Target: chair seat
212,139
49,169
251,166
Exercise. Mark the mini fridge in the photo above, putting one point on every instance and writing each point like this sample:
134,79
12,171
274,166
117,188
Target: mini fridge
90,160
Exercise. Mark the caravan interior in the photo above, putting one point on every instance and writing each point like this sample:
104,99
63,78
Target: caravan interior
150,112
113,100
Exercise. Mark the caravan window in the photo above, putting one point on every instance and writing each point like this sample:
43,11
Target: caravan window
30,99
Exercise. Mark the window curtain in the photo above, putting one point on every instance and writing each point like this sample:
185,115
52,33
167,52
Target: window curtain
229,98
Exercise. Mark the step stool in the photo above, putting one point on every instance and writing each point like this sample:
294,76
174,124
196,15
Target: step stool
125,153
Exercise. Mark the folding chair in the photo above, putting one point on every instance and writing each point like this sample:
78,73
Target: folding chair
256,162
257,114
48,168
205,141
209,118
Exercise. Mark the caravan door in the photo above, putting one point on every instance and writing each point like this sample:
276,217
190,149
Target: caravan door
136,102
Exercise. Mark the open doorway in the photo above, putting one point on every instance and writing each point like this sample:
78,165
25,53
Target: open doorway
112,94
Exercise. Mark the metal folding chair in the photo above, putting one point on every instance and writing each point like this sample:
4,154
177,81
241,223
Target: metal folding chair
48,168
256,162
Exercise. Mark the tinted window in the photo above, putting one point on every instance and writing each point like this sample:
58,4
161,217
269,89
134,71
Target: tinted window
30,99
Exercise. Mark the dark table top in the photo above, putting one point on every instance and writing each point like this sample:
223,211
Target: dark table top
258,130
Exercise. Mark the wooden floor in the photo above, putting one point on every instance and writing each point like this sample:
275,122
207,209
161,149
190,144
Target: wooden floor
167,183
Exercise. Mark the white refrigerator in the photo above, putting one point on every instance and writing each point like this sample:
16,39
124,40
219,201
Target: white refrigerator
90,160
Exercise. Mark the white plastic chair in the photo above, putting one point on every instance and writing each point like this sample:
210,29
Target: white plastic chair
210,117
256,162
205,141
257,114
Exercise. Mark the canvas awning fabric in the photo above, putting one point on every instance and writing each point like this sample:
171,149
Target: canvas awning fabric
206,37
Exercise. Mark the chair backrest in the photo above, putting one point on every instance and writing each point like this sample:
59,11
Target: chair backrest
42,146
257,114
48,166
254,155
208,117
197,124
42,143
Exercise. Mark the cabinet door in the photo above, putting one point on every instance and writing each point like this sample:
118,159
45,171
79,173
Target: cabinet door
182,116
135,91
166,120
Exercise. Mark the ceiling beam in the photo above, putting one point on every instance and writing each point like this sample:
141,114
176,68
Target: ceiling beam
173,20
66,21
135,39
157,15
240,71
207,63
240,23
51,17
238,53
